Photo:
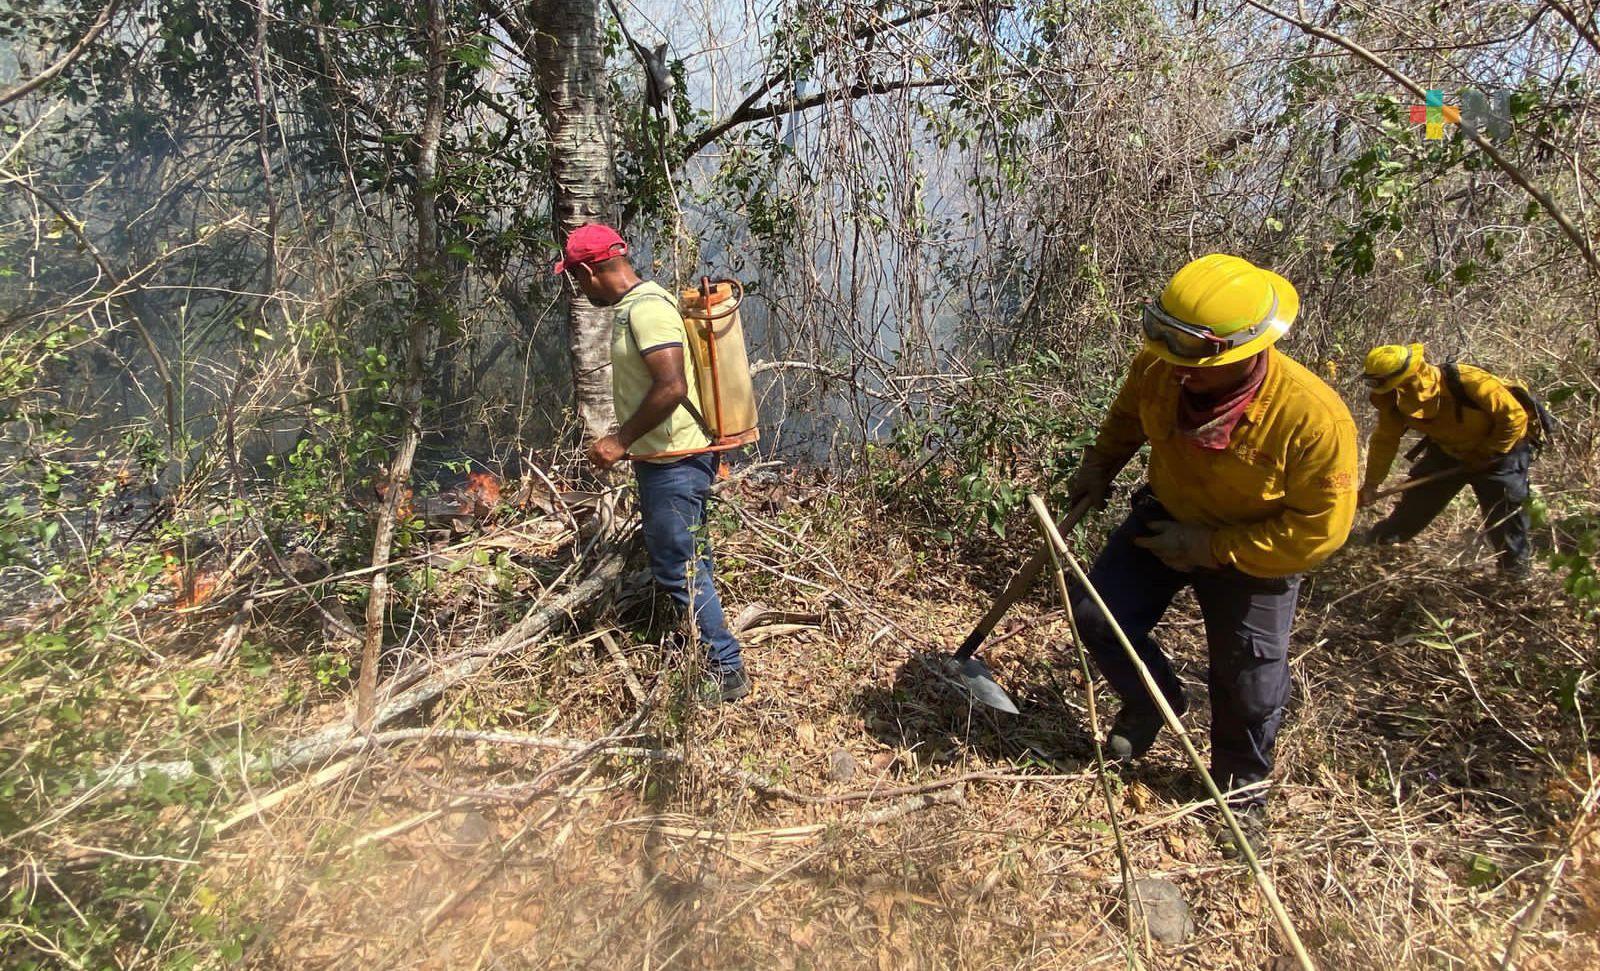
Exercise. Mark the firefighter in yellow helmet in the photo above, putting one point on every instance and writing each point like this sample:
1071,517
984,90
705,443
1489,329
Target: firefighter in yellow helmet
1471,422
1251,483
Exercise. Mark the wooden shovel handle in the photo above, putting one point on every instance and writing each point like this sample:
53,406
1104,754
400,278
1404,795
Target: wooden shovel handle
1017,586
1420,480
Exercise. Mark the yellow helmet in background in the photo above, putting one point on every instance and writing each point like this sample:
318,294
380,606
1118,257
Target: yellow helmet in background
1219,309
1388,366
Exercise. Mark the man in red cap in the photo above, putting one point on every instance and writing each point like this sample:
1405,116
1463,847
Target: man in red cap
661,432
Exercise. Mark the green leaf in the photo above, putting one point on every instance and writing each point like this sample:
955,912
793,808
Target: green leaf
1567,691
157,786
1482,871
472,55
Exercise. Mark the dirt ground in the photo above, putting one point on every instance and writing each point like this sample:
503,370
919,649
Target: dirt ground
1427,775
856,812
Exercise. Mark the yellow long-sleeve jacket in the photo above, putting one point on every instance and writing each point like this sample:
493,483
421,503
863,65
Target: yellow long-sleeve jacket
1423,402
1282,495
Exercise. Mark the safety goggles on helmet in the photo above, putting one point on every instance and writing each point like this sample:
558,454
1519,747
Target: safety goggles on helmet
1193,341
1379,380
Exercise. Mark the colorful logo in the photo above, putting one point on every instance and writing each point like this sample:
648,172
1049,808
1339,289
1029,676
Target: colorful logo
1434,114
1487,114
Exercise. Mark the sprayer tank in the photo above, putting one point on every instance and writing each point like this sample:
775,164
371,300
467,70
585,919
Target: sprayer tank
716,341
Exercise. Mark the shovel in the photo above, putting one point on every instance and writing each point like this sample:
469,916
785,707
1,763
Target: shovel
964,668
1420,480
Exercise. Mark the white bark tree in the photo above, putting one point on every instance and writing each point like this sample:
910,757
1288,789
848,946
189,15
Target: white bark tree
562,40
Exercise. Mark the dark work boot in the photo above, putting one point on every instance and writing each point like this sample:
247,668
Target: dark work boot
1516,569
1136,728
721,687
1376,536
1253,823
1132,733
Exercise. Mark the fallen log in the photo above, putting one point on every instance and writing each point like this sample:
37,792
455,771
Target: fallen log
342,736
758,615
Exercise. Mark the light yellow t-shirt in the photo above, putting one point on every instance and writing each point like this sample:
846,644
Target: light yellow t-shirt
646,319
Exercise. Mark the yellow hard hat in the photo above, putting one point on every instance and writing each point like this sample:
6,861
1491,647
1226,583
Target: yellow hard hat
1387,366
1219,309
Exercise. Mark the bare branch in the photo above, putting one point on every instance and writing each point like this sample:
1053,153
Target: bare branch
747,112
1543,198
66,60
1585,30
420,339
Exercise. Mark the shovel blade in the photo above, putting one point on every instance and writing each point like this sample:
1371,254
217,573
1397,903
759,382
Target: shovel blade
973,677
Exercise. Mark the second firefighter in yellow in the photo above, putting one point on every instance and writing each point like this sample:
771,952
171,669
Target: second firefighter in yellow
1474,432
1251,483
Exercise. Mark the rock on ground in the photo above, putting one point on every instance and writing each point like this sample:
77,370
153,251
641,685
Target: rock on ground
1166,913
841,765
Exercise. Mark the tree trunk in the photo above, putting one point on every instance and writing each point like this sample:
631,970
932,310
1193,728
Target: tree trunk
448,381
569,61
421,337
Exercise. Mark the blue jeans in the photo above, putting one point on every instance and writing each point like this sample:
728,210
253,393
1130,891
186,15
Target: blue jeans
672,504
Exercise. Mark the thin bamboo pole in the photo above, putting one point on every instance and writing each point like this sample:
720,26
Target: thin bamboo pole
1142,929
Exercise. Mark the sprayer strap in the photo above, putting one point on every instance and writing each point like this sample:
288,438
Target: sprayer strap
688,357
695,414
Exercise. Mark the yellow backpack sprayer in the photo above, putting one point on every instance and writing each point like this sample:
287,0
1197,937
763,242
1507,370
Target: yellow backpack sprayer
726,405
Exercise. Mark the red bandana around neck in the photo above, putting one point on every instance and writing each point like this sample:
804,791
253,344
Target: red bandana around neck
1208,421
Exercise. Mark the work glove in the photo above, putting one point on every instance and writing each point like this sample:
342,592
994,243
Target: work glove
1182,546
1092,481
1367,496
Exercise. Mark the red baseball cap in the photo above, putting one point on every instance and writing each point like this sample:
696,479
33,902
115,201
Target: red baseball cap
590,243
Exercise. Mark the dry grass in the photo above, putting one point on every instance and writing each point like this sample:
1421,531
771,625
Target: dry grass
1425,734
